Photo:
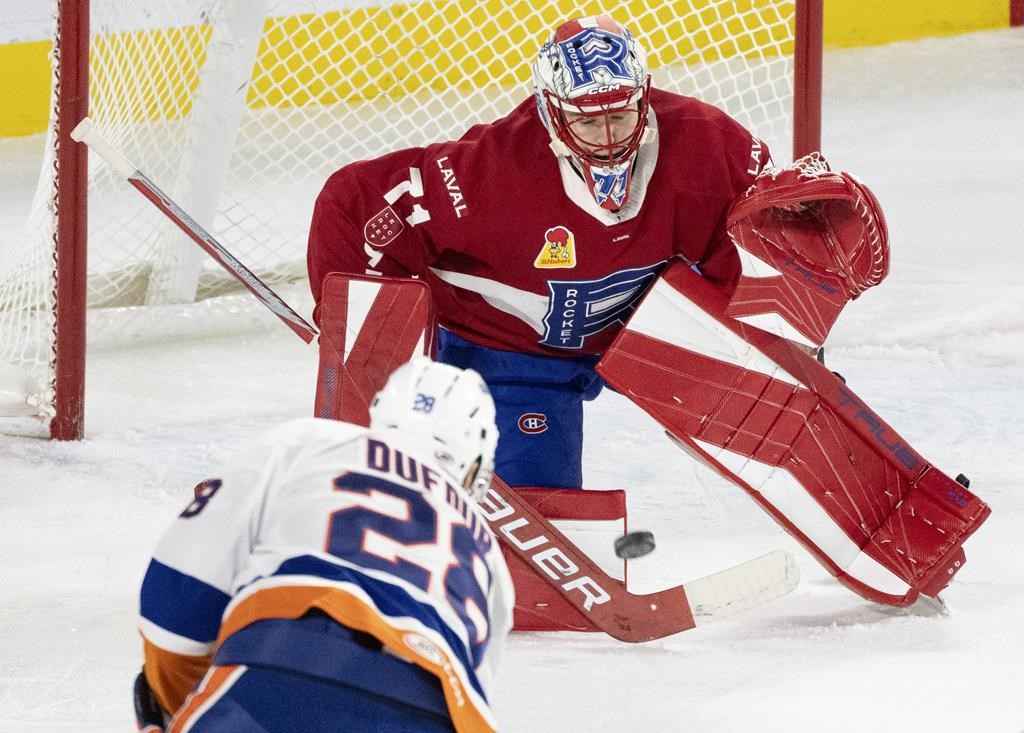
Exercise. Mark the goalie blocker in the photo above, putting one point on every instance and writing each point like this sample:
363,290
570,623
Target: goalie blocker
734,382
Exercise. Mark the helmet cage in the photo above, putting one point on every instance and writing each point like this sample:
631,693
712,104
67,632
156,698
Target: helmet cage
601,106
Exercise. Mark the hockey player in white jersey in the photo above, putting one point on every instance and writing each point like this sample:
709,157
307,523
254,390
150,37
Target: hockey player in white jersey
336,578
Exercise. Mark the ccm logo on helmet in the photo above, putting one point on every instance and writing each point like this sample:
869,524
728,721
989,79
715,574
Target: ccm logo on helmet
533,423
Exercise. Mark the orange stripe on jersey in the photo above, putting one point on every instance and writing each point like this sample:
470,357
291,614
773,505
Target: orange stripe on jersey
351,611
172,676
216,682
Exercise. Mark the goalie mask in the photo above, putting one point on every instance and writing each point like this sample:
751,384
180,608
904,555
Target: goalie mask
592,88
446,411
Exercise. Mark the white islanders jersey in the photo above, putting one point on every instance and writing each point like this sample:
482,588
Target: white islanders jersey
325,515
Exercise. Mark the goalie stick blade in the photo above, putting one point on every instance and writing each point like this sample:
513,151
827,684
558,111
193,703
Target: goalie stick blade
742,587
606,602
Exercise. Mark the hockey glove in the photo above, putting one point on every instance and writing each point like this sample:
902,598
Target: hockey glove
150,717
810,239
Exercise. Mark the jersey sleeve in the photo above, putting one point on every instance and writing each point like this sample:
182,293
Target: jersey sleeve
370,218
746,156
192,574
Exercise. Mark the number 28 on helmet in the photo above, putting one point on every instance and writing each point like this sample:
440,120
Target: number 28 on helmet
592,90
446,411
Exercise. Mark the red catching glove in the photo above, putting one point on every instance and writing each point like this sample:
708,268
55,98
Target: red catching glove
810,239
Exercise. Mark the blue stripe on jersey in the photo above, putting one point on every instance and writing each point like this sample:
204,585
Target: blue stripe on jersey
181,604
270,699
390,599
318,646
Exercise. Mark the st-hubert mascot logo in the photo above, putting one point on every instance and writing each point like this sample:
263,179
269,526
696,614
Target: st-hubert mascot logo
559,249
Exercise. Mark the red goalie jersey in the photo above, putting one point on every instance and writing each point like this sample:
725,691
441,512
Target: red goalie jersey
518,254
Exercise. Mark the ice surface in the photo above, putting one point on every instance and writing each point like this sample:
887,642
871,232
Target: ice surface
935,128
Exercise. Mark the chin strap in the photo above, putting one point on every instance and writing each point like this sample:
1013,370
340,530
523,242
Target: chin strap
560,149
649,136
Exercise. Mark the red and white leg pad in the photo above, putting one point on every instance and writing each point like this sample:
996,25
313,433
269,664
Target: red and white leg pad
593,520
369,326
765,414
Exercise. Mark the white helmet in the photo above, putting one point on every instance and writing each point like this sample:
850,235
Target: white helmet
447,411
592,90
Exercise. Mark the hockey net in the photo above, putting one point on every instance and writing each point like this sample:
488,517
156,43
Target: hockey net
240,109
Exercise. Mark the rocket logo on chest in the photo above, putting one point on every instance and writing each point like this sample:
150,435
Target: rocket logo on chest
559,250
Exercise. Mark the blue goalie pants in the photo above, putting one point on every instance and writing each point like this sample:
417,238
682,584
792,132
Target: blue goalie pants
539,403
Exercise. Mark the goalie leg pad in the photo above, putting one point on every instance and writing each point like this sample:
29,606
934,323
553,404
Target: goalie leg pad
369,327
768,416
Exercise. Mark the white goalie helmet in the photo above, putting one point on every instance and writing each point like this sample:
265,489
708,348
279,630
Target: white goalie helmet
592,89
447,411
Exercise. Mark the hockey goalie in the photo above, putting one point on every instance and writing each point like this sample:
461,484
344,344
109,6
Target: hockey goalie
734,382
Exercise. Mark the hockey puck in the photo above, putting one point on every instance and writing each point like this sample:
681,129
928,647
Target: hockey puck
634,544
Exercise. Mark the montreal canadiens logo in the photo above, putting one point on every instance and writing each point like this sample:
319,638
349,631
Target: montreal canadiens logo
533,423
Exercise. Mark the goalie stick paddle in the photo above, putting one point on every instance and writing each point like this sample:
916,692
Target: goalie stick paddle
614,610
84,132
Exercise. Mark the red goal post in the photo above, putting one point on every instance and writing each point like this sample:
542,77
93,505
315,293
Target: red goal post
240,109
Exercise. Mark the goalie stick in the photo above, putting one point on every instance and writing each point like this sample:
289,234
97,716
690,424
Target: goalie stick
84,132
609,606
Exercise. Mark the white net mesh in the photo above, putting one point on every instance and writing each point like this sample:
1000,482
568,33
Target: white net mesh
240,109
